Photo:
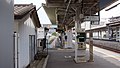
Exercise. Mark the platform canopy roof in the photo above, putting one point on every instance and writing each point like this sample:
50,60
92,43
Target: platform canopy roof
62,12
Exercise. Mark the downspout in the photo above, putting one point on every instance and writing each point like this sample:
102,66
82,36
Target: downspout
14,49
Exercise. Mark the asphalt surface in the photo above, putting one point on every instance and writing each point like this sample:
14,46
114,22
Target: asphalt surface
57,59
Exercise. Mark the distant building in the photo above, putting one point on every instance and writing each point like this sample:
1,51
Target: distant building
110,31
109,27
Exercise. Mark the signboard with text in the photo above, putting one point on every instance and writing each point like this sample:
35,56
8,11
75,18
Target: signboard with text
40,33
91,18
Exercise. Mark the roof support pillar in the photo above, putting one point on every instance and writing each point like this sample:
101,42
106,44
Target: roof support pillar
90,43
80,47
91,47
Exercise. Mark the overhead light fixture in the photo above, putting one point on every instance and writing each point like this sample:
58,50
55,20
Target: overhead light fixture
112,7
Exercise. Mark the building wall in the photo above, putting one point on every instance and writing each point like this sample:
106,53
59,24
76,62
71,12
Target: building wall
25,29
6,33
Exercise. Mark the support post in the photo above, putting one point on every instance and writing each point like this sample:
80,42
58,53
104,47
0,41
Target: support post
62,39
80,47
66,28
119,33
91,46
76,30
98,34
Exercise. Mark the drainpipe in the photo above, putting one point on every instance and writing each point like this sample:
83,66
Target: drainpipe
15,50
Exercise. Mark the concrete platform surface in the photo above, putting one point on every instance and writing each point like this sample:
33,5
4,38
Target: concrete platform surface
61,59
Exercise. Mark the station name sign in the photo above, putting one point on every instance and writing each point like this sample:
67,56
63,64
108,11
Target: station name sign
94,19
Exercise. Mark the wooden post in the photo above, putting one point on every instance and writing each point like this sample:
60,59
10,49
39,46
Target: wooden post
91,46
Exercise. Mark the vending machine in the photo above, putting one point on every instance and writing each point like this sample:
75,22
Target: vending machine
80,48
81,38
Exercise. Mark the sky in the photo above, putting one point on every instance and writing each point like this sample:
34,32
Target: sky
41,12
111,13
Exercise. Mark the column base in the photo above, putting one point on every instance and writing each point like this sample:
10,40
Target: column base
90,61
80,59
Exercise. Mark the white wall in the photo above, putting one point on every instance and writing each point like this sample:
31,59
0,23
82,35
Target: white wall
6,33
25,29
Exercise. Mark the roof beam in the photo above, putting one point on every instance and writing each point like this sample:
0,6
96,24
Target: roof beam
62,13
66,1
65,4
91,7
66,10
63,9
112,7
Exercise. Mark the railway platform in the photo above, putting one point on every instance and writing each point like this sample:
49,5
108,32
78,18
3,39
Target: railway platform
63,58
